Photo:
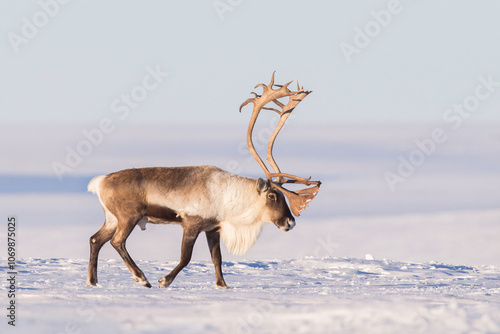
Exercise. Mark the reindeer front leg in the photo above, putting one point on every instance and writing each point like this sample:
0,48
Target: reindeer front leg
189,237
213,239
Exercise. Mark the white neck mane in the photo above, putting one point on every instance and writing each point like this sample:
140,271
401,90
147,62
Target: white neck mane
239,238
240,217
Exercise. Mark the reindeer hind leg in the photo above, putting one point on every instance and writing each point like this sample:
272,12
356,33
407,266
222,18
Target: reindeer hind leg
96,242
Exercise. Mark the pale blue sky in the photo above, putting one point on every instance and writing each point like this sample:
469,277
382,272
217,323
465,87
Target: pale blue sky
427,58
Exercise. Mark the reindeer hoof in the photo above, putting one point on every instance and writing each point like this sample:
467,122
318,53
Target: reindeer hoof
221,284
143,282
165,282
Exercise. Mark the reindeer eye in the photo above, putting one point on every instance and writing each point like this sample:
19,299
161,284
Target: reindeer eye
271,196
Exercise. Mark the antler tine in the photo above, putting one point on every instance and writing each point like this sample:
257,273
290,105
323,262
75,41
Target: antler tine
299,88
295,179
275,110
286,85
252,99
272,80
246,102
264,87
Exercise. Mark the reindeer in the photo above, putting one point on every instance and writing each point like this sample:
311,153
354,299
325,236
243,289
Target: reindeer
202,199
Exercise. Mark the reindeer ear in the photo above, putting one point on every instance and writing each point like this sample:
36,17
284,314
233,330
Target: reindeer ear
262,186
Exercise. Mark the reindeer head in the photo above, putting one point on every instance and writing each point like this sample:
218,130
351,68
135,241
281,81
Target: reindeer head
297,199
275,209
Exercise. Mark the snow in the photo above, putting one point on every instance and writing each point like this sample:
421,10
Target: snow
302,295
361,259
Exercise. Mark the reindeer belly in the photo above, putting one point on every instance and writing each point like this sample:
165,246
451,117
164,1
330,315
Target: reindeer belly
156,214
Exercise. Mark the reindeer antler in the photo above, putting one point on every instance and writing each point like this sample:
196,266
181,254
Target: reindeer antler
298,200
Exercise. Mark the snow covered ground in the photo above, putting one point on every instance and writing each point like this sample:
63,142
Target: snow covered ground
302,295
434,240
